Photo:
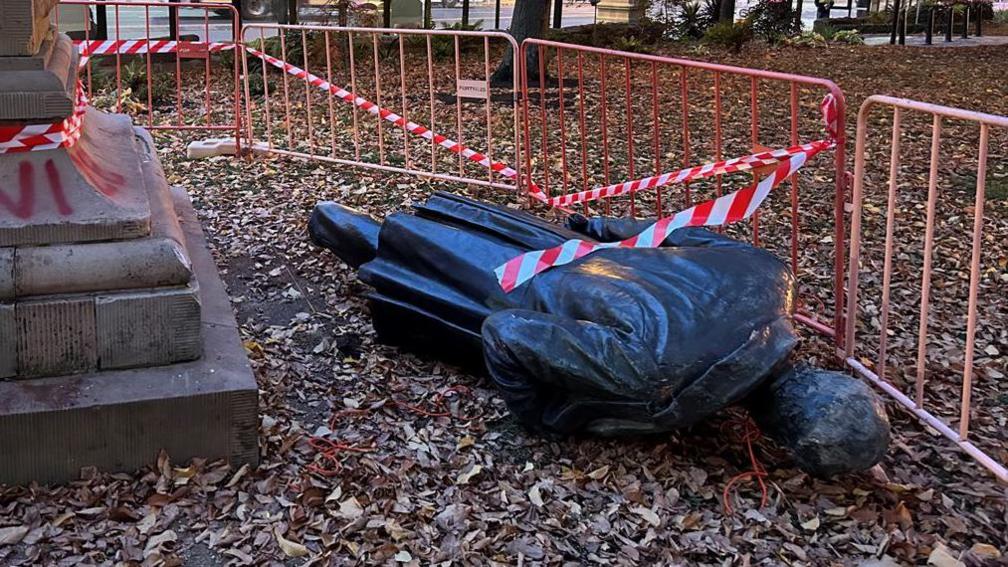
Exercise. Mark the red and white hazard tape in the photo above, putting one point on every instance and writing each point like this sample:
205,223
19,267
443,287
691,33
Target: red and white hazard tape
724,210
89,48
684,175
36,137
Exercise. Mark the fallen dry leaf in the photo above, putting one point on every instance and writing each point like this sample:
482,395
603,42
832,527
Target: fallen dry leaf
290,548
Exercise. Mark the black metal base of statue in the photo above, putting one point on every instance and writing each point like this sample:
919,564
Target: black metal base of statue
622,341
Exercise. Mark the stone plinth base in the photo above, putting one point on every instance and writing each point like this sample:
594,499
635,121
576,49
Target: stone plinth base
619,11
119,420
91,306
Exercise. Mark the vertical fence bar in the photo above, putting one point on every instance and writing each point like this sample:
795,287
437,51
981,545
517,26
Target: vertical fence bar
87,41
684,95
147,58
266,97
928,256
458,104
517,82
656,135
542,118
585,182
523,65
794,180
307,89
329,95
405,109
353,88
605,130
486,107
430,99
378,100
236,39
206,68
563,122
894,169
286,92
971,317
630,144
754,141
173,26
717,130
839,202
119,69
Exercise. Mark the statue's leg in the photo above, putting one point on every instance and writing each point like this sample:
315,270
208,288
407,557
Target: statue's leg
351,235
832,423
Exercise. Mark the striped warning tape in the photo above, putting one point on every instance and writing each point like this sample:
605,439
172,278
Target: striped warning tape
717,212
34,137
92,47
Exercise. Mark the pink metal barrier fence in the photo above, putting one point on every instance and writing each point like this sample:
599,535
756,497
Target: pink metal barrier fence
970,321
329,93
605,116
169,64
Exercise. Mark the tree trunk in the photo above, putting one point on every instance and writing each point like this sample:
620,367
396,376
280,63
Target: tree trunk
527,20
726,11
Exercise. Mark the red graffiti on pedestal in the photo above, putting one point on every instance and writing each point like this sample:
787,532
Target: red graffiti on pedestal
104,180
24,206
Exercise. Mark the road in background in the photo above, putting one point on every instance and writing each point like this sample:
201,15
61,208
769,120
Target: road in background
573,15
132,20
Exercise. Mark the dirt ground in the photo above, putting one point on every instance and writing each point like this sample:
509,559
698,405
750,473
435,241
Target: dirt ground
414,470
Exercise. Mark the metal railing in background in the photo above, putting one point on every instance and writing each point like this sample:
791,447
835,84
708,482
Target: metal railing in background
603,116
154,61
885,365
440,79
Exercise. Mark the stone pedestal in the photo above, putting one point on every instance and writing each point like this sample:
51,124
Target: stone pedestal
113,320
38,68
619,11
120,419
95,266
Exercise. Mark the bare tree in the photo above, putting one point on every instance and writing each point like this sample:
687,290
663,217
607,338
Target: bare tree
527,20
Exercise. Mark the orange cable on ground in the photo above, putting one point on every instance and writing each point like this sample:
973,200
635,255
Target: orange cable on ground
750,434
330,450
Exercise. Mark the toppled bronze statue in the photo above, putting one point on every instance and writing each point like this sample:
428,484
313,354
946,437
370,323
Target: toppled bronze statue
622,341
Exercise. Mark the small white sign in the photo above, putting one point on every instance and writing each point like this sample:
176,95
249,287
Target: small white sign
468,88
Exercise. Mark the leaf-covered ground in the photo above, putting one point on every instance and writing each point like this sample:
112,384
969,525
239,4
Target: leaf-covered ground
374,456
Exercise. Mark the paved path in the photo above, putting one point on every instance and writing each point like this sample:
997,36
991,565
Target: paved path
939,40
